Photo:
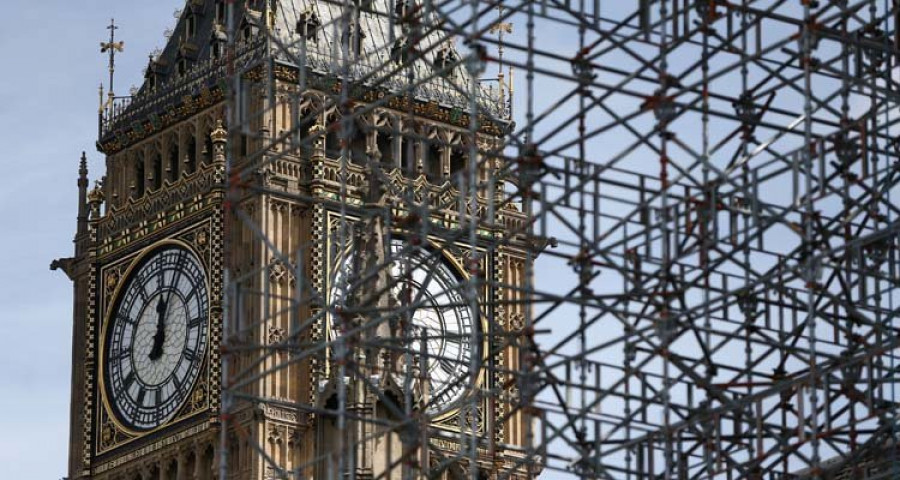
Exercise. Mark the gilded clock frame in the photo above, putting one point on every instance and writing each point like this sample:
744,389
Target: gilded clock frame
198,238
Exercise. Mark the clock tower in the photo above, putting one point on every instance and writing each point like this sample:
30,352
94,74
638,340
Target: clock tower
299,262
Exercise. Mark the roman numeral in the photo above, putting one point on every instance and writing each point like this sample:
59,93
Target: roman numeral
122,355
190,355
447,365
129,379
196,322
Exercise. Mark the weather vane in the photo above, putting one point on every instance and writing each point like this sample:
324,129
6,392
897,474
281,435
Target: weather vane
501,27
112,47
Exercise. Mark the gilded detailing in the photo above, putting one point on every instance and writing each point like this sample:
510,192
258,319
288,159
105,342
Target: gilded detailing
137,219
110,434
140,129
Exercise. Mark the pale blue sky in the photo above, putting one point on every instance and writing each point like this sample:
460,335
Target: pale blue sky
52,67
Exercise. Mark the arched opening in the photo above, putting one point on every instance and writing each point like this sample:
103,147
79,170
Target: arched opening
156,181
408,156
190,466
207,150
308,27
358,146
206,470
172,167
458,160
431,159
190,25
139,177
385,143
190,157
333,143
220,12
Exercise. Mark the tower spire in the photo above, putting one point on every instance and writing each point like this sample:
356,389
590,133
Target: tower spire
82,195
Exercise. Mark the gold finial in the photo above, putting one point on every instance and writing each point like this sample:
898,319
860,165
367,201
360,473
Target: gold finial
95,196
219,134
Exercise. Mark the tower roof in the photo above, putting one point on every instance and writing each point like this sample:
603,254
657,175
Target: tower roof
397,46
401,45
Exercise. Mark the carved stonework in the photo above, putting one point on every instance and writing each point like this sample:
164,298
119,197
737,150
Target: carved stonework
276,335
281,273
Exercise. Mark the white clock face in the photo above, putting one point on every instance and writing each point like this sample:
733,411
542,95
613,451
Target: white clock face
156,339
432,295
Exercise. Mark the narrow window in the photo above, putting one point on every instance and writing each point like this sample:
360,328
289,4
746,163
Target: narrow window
432,159
207,150
358,147
400,52
172,168
190,26
402,8
458,160
407,157
139,178
157,172
190,157
220,12
386,147
308,26
445,61
333,144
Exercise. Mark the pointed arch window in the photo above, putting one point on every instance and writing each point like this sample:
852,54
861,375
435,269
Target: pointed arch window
402,9
157,174
190,25
181,66
173,168
432,153
385,142
445,60
190,157
217,42
400,51
459,158
220,12
308,26
358,146
139,177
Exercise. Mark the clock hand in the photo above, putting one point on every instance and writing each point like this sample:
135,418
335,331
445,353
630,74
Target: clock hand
162,310
160,336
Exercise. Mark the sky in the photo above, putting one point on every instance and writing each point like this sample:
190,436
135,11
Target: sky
48,115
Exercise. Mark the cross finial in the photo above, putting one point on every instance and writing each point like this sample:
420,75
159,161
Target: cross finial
112,47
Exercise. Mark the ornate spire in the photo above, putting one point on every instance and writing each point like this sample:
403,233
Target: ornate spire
82,195
219,137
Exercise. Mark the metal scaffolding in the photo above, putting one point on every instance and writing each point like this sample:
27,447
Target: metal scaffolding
707,195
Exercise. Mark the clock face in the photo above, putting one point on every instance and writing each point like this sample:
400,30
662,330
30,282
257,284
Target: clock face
156,338
431,294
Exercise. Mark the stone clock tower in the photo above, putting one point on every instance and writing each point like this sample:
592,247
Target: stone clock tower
371,262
